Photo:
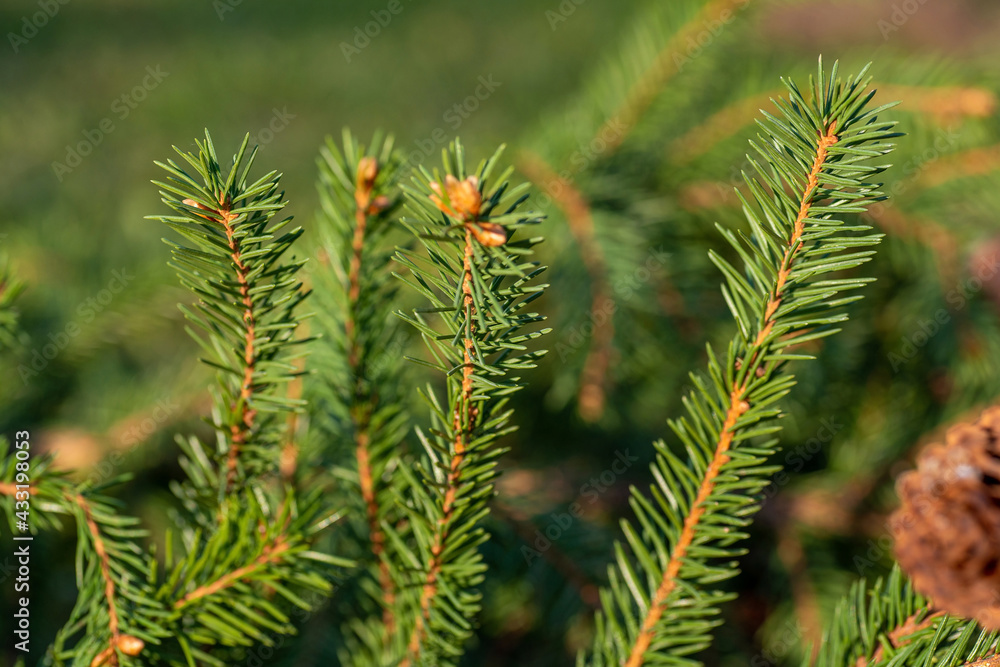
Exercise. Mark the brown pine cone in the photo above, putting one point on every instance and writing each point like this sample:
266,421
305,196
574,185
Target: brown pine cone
947,531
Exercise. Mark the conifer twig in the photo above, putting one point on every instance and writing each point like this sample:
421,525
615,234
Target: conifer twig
102,557
240,430
247,300
463,416
359,196
888,621
117,640
929,233
477,280
361,414
662,596
737,406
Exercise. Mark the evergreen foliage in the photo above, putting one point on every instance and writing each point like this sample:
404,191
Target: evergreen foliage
310,486
241,557
247,300
361,417
479,282
814,167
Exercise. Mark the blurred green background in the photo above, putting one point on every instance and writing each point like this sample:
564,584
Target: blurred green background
126,373
68,231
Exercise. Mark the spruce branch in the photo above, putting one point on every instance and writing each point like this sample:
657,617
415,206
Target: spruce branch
248,553
248,297
117,641
933,235
478,281
738,405
359,386
899,635
368,203
661,602
115,616
223,589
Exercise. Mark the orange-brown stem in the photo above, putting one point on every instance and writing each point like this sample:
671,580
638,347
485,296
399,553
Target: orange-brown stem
357,244
270,554
361,414
105,566
375,532
990,661
7,489
463,418
737,407
240,430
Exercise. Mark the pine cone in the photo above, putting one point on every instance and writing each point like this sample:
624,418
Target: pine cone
947,531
